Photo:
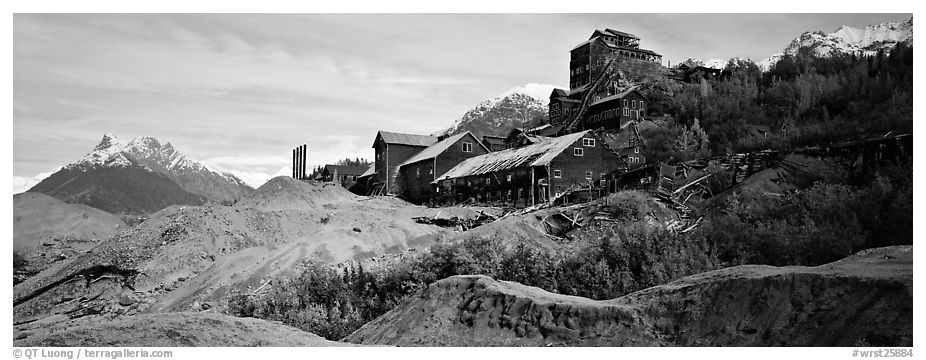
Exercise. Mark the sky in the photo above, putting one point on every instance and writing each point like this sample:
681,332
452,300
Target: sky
239,91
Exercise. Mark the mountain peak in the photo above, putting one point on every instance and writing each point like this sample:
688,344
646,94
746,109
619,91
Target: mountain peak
537,91
145,155
515,107
145,142
108,141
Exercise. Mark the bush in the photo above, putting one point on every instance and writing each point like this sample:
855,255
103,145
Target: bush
822,224
19,261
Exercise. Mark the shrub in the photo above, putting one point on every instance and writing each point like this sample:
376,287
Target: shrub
19,261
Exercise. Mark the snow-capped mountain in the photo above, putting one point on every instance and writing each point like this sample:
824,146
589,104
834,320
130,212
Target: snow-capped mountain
147,166
712,63
516,107
865,41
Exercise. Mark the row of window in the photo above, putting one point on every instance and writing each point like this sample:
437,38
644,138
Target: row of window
577,71
558,174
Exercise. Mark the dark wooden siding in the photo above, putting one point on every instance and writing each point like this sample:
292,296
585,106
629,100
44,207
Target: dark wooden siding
379,163
455,155
396,155
611,114
417,177
416,181
497,188
596,159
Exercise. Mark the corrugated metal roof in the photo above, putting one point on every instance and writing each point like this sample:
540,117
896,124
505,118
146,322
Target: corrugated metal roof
539,128
406,139
436,149
345,170
370,171
621,33
617,96
538,154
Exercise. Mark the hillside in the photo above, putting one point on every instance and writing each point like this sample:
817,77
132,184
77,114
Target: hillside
47,230
195,255
128,189
166,330
141,176
863,300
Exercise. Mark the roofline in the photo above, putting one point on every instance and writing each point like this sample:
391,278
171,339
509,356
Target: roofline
470,133
437,179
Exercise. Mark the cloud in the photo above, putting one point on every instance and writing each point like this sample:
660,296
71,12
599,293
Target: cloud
255,179
21,184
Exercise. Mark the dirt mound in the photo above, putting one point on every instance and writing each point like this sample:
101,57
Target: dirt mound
283,192
573,226
47,230
185,258
863,300
39,217
167,330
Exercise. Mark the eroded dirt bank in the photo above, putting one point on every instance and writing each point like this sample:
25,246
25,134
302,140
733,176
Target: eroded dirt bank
864,299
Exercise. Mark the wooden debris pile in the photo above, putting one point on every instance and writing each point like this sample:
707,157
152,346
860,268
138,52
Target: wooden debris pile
461,224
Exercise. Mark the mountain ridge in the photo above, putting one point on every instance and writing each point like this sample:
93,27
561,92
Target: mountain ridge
148,171
866,41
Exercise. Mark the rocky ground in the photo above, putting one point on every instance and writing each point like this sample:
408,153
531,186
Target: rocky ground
168,279
48,231
863,300
192,258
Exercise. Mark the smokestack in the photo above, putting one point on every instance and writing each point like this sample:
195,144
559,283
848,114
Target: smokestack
298,162
303,160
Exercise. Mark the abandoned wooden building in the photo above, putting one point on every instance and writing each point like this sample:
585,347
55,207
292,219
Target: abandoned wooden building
530,174
391,150
628,144
343,175
494,143
598,95
418,172
587,59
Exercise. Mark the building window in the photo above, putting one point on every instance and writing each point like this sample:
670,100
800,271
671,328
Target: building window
626,112
633,104
578,151
520,193
488,181
417,172
636,150
588,175
467,147
557,174
508,178
641,112
603,175
625,102
588,142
